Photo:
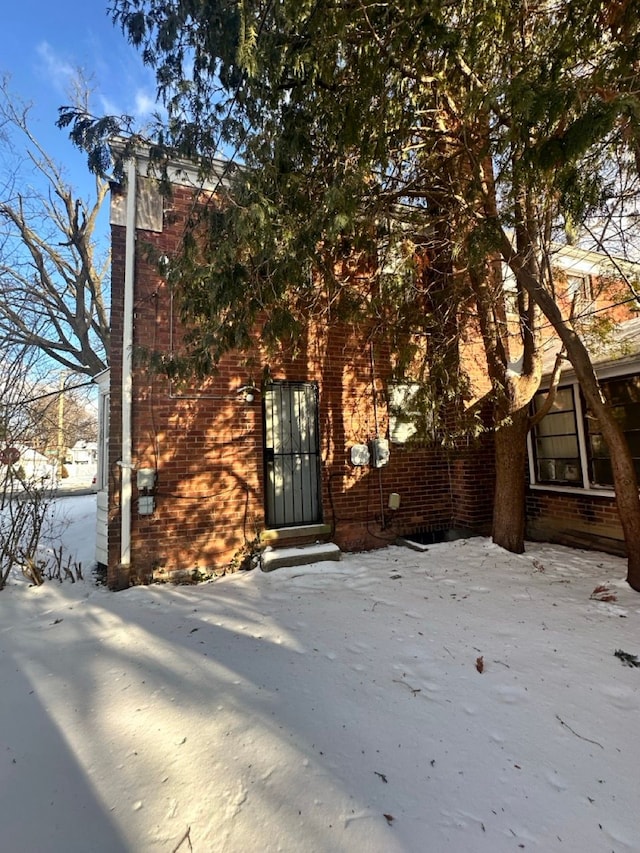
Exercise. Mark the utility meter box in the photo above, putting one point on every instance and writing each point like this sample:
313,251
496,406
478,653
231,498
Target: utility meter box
146,505
360,455
145,479
379,448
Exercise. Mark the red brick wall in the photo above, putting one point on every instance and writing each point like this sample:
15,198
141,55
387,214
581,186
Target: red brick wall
207,449
472,484
587,521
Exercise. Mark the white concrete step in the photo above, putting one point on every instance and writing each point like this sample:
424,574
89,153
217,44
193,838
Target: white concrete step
303,555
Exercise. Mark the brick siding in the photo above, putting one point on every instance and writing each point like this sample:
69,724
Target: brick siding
207,445
587,521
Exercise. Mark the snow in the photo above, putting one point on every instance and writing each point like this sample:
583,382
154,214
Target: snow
330,707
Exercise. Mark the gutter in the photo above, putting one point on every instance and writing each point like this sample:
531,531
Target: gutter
127,364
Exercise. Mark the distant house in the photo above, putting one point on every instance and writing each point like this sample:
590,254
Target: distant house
30,467
302,446
82,453
81,463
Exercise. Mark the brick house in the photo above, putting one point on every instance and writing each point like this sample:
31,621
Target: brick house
570,498
300,447
276,450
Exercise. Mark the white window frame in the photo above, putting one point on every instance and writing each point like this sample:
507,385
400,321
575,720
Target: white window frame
407,417
579,291
402,417
612,372
102,471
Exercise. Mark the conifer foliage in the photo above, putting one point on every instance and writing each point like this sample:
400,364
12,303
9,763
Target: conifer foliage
470,131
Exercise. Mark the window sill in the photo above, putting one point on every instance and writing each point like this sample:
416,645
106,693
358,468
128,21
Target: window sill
574,490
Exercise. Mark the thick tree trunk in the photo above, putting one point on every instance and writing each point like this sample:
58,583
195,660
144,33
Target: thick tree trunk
509,503
625,480
512,394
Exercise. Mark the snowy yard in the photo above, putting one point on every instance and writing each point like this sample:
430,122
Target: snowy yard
461,699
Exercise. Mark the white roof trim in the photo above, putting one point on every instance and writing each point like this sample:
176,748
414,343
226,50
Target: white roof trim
181,171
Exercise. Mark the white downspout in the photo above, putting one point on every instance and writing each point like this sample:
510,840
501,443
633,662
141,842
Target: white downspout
127,363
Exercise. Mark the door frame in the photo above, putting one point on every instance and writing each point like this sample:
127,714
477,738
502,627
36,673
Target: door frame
268,454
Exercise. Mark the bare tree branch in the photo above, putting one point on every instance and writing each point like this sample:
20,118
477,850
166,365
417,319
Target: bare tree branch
53,285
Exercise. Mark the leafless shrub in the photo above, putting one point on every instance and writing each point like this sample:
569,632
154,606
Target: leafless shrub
59,569
23,511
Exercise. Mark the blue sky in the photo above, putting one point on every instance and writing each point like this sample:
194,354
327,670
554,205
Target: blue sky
44,41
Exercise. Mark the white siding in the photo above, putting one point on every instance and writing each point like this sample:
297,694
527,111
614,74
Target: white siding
102,518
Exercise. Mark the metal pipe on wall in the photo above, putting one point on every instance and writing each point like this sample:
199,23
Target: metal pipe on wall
127,363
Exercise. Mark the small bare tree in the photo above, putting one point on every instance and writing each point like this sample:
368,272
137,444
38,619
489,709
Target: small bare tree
24,493
28,541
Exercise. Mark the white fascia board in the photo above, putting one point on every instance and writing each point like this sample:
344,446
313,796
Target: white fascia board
573,259
102,379
624,366
180,171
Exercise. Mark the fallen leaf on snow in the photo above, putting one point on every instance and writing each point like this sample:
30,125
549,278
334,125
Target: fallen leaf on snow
602,593
627,658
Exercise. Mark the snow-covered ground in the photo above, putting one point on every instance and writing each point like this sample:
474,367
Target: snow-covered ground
461,699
